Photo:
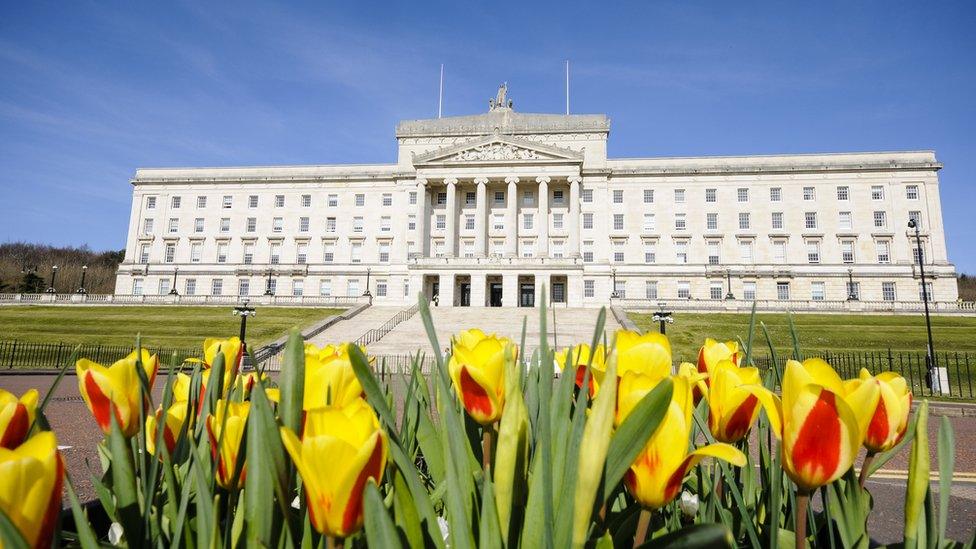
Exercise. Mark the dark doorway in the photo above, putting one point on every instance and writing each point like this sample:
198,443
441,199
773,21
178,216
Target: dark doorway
495,294
464,294
558,292
527,294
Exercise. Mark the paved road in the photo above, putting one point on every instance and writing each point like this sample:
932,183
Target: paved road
78,433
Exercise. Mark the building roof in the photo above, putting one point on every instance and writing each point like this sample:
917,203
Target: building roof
504,121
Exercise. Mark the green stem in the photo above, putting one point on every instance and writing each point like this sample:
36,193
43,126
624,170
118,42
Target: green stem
642,525
486,447
863,477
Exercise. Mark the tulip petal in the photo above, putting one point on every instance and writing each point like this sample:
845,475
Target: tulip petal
770,404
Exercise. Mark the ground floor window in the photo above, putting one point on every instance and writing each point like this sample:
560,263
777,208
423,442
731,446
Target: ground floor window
163,286
380,288
243,287
715,290
650,289
620,288
325,287
888,291
783,291
298,288
817,291
854,290
217,286
190,286
137,286
928,290
589,288
749,290
352,287
684,289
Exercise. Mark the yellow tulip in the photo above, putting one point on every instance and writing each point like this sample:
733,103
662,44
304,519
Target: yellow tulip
31,478
227,449
341,448
477,368
656,476
889,419
578,357
231,348
713,352
823,424
734,399
16,417
116,390
173,421
648,353
329,377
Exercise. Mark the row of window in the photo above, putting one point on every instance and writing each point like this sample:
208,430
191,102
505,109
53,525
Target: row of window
262,286
843,193
811,220
253,201
718,289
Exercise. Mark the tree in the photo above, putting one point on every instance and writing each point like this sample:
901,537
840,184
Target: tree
31,284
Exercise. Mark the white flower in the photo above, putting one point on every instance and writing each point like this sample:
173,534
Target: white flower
115,533
445,532
689,504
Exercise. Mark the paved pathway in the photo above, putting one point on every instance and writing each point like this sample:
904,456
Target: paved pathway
351,329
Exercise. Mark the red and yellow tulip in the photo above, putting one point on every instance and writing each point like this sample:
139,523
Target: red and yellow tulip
16,417
31,479
173,420
477,368
226,430
329,377
823,423
648,353
341,448
889,420
578,357
714,352
656,476
231,348
116,390
735,396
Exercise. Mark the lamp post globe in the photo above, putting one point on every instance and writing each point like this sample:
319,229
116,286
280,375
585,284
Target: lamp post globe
54,274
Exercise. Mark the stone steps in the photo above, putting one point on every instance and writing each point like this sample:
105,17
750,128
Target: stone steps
351,329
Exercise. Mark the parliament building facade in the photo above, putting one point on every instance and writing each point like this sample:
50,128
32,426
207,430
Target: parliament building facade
488,209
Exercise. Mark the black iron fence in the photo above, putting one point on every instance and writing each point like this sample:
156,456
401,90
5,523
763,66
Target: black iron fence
376,333
952,376
30,355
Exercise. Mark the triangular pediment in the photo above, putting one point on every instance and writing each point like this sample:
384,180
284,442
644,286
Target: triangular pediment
497,148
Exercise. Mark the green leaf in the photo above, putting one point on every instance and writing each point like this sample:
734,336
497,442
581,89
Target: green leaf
695,536
10,536
267,476
86,537
374,395
291,381
405,512
918,480
947,448
124,485
634,433
380,530
488,530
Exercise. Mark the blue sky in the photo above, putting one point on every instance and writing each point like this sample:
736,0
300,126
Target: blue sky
91,91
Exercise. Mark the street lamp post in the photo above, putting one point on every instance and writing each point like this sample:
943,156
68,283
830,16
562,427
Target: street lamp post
851,294
664,318
613,276
930,356
244,311
172,290
267,287
81,287
54,273
728,278
366,293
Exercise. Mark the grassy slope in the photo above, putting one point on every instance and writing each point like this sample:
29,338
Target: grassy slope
819,332
168,327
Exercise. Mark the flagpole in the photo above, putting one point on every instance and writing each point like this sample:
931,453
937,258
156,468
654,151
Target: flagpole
440,93
567,86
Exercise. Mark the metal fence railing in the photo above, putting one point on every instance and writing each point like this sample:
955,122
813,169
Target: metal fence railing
953,375
167,299
31,355
376,333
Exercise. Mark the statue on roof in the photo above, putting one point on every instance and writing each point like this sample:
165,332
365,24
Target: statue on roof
499,102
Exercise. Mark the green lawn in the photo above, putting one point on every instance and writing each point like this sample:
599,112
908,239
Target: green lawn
164,326
818,332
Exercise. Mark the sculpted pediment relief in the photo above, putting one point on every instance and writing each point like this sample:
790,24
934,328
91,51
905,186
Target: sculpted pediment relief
497,149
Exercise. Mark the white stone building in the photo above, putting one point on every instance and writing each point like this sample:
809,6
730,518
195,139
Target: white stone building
484,210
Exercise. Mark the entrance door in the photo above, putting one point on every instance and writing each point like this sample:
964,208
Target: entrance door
527,294
465,298
435,290
559,292
495,294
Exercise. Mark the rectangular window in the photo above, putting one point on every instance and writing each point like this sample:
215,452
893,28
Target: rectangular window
679,196
384,256
749,290
225,224
818,291
198,225
467,249
711,195
777,220
809,193
916,216
190,286
650,252
681,252
813,251
163,286
648,196
243,287
775,194
352,287
174,225
917,255
680,222
587,196
333,200
528,198
272,286
325,287
847,251
587,256
557,221
357,224
684,289
498,222
144,253
618,252
810,220
880,220
170,253
779,251
526,221
711,221
361,199
877,192
277,225
328,253
745,251
883,250
499,198
381,288
216,286
618,222
221,253
715,290
137,286
557,196
298,288
556,250
201,202
618,196
303,224
306,201
356,252
843,192
743,194
386,224
928,295
844,221
330,224
275,254
228,202
440,221
388,199
411,222
588,288
469,222
175,202
248,254
911,192
252,224
252,201
650,289
279,201
713,253
469,198
743,220
196,252
888,291
588,220
150,202
301,253
650,223
783,291
528,249
412,198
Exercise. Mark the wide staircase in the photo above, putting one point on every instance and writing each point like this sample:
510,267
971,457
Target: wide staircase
353,328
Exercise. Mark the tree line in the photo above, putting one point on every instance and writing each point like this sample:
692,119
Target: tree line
27,268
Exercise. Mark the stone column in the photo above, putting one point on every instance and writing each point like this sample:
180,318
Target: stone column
511,218
481,219
450,242
423,241
574,216
543,244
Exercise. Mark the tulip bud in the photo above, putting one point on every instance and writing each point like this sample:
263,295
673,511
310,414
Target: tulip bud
577,359
734,397
329,377
339,451
477,369
226,430
31,479
173,423
16,417
116,390
648,353
889,419
231,348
